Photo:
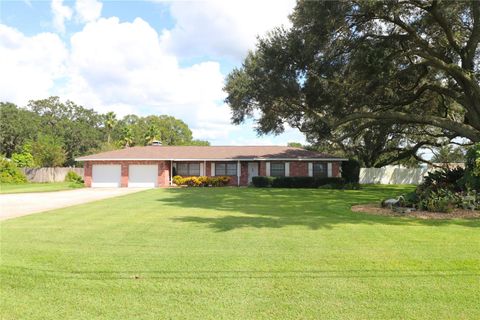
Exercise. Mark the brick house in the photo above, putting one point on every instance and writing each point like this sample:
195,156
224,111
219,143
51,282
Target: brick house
154,166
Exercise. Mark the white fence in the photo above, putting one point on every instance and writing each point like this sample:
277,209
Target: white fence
393,175
56,174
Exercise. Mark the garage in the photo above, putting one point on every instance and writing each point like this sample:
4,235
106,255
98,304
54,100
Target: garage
106,175
142,176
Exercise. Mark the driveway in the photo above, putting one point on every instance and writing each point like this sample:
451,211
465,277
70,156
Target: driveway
21,204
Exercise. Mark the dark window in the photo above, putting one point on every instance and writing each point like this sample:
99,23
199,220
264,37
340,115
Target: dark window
226,169
319,169
277,169
185,169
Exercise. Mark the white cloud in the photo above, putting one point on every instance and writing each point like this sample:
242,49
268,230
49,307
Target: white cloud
88,10
128,67
30,65
223,28
60,14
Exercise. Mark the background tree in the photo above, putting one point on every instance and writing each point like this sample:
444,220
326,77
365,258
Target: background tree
48,151
127,136
295,144
110,122
448,154
152,134
80,131
349,68
79,128
16,126
197,143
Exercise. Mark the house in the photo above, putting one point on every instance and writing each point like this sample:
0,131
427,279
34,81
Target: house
153,166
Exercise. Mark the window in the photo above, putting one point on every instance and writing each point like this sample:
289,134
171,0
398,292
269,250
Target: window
319,169
226,169
188,169
277,169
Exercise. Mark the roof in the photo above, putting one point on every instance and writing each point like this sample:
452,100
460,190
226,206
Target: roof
209,153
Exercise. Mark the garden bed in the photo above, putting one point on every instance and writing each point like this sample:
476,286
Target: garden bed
377,210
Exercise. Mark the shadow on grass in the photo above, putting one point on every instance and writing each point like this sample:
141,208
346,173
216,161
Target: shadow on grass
277,208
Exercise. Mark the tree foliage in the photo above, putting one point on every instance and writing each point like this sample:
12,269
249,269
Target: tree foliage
388,77
78,131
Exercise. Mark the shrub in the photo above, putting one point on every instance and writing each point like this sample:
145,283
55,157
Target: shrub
9,173
445,178
72,176
262,182
441,200
351,171
201,181
24,159
298,182
471,179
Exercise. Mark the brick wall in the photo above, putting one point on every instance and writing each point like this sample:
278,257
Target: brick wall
298,169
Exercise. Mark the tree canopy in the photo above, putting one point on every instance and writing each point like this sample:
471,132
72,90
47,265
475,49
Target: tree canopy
407,71
56,132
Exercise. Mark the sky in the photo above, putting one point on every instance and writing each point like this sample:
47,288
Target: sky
138,57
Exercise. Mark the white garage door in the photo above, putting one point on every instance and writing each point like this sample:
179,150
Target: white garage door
142,176
106,175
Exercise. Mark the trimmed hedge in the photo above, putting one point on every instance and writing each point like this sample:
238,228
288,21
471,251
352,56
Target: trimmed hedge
202,181
297,182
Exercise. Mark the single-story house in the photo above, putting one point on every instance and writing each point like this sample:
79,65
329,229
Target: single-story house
154,166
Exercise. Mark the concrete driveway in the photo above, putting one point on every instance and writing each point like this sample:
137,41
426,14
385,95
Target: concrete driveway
21,204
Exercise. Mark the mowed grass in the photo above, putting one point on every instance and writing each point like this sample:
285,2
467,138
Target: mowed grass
238,254
37,187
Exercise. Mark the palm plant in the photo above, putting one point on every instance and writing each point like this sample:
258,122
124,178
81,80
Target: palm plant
151,134
127,136
110,122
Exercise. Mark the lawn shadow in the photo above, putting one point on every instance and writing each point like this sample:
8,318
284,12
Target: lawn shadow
278,208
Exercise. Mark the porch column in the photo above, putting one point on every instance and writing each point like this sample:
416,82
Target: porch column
171,172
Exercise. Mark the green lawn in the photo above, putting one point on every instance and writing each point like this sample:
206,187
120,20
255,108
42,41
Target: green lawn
238,254
38,187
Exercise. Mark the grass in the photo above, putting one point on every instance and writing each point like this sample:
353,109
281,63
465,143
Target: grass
238,254
38,187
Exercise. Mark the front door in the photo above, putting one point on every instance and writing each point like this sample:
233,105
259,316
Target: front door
252,170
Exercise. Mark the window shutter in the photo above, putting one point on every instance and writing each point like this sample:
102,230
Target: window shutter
202,169
287,169
310,169
267,167
329,169
212,169
239,168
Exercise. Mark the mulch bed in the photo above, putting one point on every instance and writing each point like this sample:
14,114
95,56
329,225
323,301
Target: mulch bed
377,210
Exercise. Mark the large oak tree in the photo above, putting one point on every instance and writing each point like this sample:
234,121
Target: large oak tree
407,68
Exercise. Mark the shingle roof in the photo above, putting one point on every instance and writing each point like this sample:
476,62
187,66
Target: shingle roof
207,153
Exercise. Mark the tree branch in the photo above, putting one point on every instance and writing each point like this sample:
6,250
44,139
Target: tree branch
465,130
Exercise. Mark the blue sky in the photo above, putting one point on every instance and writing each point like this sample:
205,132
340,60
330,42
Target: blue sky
141,57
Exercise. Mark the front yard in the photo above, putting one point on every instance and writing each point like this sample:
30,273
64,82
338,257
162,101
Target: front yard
37,187
238,254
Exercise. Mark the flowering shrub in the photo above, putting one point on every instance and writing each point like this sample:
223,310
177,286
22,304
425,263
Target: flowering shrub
202,181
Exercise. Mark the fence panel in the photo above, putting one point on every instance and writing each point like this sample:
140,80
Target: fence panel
56,174
392,175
